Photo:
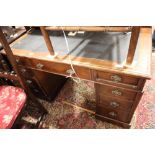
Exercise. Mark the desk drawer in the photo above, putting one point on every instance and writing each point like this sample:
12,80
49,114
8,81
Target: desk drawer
57,68
113,103
116,92
114,114
100,76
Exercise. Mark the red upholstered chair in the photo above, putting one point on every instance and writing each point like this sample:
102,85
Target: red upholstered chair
12,99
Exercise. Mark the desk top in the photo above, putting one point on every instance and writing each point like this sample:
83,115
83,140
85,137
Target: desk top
102,51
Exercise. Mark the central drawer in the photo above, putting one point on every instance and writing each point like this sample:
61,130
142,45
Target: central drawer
116,92
57,68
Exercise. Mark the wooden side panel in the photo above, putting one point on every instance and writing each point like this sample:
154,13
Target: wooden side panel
50,83
42,84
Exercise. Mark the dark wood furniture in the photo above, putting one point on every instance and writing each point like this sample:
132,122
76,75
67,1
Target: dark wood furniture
118,85
14,75
43,84
18,33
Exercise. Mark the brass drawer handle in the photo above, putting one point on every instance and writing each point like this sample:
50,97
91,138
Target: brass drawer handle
39,66
116,78
70,72
114,104
23,70
116,92
113,114
17,60
36,90
29,81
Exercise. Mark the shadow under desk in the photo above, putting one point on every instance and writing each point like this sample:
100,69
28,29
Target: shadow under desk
97,57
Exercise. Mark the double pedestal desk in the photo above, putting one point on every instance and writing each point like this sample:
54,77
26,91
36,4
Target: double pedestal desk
99,57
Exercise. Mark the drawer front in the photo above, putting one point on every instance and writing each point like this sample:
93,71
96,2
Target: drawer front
58,68
115,92
113,103
100,76
26,72
114,114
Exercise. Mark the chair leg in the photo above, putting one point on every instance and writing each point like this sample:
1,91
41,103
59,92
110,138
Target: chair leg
39,121
18,121
37,103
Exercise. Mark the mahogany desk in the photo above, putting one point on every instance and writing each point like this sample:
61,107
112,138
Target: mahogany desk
98,57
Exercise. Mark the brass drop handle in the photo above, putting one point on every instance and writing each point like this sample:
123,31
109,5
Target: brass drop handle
39,66
70,72
29,81
36,90
116,92
23,70
17,60
113,114
116,78
114,104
